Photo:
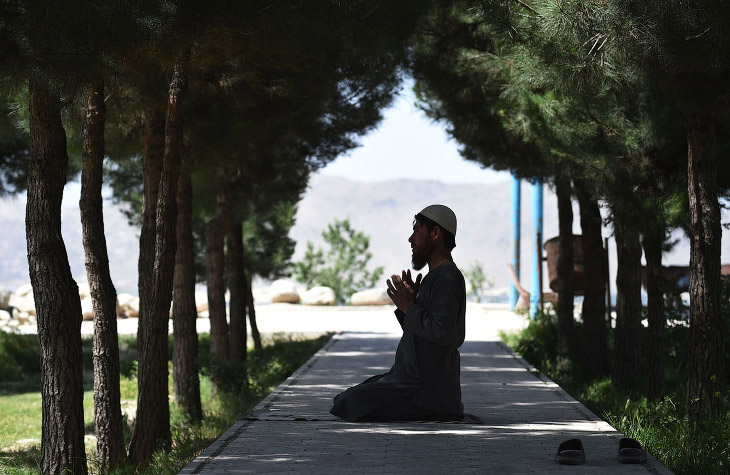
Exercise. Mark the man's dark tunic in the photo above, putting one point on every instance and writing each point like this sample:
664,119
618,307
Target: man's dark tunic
424,381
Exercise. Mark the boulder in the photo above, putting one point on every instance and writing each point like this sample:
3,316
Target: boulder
22,445
4,298
283,291
377,296
301,292
128,305
24,290
261,295
22,318
22,299
319,296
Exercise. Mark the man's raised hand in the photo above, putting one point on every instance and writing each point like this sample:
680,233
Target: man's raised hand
406,276
401,292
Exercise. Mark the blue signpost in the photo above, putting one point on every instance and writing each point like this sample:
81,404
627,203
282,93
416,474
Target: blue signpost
536,274
516,202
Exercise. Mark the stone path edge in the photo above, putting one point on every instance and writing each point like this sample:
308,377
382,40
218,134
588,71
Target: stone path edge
199,462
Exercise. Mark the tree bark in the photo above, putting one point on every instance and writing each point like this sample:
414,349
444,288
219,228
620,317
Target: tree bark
566,324
56,294
153,153
627,335
594,344
652,242
184,311
239,292
706,365
111,451
252,318
215,232
152,425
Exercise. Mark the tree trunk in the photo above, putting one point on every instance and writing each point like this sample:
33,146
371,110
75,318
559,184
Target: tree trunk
706,365
111,451
184,311
56,294
153,154
627,335
152,425
652,242
594,345
239,292
215,232
566,324
252,318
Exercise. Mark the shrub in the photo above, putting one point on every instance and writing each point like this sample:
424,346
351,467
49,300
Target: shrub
538,343
19,357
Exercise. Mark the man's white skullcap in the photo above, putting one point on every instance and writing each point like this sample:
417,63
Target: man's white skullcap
441,215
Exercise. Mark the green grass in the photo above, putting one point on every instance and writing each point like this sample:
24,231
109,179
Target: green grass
660,426
17,418
665,432
20,398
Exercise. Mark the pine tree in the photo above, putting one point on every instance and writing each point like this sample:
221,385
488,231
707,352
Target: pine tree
107,409
683,47
152,402
552,77
56,294
184,312
51,47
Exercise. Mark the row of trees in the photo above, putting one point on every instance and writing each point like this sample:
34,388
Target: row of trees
618,102
210,119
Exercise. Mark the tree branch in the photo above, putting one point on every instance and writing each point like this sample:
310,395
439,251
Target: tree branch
610,129
526,6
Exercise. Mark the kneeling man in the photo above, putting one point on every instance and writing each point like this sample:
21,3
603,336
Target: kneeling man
423,383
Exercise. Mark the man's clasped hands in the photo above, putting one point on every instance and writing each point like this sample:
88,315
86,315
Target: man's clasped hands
402,290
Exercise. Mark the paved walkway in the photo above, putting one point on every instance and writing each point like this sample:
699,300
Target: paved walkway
517,418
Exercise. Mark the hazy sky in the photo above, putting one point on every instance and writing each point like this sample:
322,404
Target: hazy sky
407,144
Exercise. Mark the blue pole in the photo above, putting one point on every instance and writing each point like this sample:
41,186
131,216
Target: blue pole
535,287
516,212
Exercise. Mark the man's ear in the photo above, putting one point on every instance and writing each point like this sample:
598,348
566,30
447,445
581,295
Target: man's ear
436,233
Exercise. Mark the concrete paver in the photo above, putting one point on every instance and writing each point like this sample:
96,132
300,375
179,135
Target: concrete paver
518,417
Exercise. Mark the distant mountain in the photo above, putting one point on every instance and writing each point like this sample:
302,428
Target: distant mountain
122,242
382,210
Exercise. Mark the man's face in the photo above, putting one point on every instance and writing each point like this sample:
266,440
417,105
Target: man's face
420,245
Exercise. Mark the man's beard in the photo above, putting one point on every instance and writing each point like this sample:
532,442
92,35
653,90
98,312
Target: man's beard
417,261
